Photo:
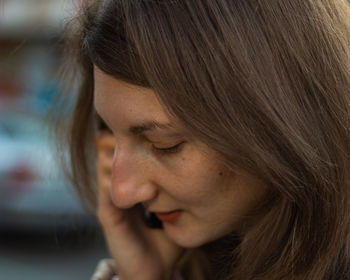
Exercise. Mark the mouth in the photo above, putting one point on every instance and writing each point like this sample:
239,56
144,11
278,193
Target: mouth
169,217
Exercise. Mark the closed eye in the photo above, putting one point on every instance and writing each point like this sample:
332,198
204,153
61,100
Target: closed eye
168,150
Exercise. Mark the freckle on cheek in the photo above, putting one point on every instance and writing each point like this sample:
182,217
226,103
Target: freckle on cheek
221,173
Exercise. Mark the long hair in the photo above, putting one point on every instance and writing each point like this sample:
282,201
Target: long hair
265,83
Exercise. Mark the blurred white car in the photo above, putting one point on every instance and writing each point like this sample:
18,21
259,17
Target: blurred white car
34,193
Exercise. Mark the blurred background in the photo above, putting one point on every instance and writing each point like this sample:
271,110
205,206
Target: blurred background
44,231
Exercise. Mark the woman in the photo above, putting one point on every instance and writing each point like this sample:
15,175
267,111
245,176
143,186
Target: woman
231,122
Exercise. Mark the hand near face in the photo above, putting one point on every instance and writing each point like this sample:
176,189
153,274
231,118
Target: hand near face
139,252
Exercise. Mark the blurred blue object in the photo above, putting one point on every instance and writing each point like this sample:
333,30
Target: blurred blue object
34,193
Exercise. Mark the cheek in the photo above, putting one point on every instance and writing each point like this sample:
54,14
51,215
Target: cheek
195,179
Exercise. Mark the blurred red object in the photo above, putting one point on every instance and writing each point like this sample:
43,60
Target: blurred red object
19,179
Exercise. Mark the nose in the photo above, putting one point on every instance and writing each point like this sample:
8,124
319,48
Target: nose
131,179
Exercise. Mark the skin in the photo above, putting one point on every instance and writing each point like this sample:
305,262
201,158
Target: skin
214,201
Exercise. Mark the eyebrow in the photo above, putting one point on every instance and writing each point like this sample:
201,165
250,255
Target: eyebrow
149,126
146,126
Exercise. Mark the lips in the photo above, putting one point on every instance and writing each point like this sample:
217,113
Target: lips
169,217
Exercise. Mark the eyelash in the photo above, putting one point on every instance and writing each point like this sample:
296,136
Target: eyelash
168,151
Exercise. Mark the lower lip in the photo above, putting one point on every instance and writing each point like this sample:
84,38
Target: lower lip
169,217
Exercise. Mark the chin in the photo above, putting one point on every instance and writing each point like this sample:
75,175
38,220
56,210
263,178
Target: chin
186,238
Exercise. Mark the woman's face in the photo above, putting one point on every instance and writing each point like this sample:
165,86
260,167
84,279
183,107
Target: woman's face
159,165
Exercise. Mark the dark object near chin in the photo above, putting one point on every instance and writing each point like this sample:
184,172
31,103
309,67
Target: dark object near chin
152,221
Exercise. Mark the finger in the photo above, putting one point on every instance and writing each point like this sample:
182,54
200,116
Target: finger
104,160
106,211
106,153
105,141
104,163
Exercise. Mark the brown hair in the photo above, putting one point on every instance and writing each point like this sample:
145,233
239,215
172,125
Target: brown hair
263,82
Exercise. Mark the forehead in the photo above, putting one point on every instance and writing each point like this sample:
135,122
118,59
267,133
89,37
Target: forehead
117,100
